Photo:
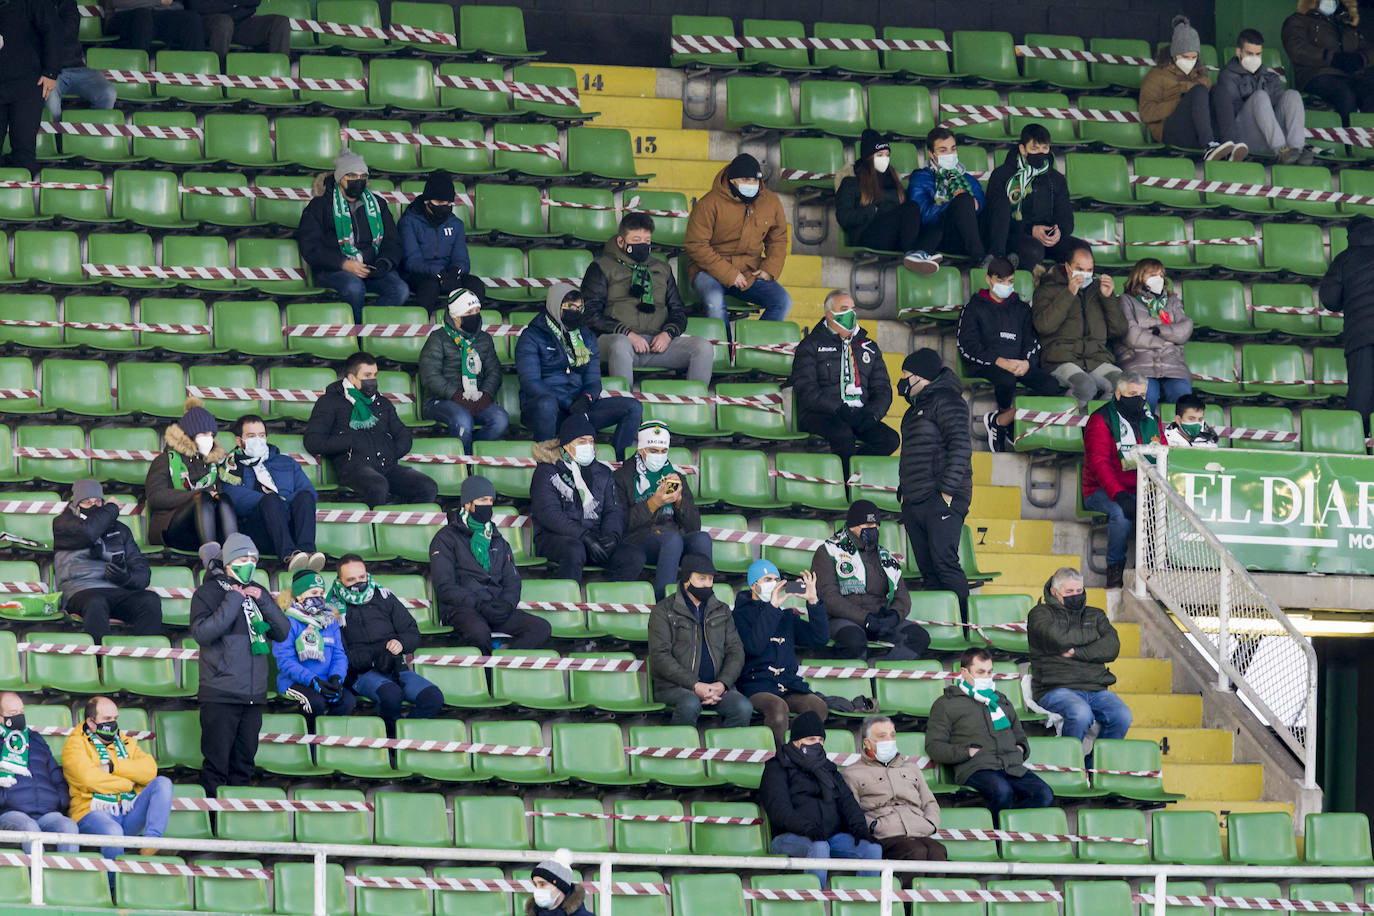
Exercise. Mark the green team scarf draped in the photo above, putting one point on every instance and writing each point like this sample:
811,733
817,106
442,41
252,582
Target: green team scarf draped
850,391
257,626
14,754
481,539
850,571
362,416
948,184
343,222
340,598
181,477
310,644
119,802
1019,185
643,277
467,355
646,481
574,347
989,699
1125,435
1157,306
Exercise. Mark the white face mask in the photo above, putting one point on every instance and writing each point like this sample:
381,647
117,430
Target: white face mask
1327,7
1003,290
205,442
1186,64
884,750
880,163
1155,284
546,898
256,447
766,590
655,461
982,683
1084,275
584,454
748,190
949,161
1251,62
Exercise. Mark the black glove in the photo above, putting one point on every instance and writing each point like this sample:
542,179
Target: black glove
580,404
595,552
118,574
388,665
1154,331
495,612
450,278
331,689
1349,61
608,542
382,266
881,624
1127,503
848,415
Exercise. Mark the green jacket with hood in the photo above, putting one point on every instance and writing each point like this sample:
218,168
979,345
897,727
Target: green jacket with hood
958,722
1052,630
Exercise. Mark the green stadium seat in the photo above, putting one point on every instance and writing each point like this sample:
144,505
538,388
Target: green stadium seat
1102,898
1295,248
105,149
1142,229
1309,177
49,257
820,496
1104,237
534,164
773,60
481,103
320,67
1058,752
736,478
30,307
123,59
912,697
54,470
280,212
612,691
333,349
1338,838
1112,822
401,83
210,209
411,819
1123,754
150,390
175,611
564,77
765,332
228,376
1213,360
309,142
999,609
445,767
941,610
198,251
1329,374
506,768
727,839
682,419
900,110
1171,167
254,329
367,763
791,560
967,850
920,64
64,206
1125,76
80,387
1039,908
668,230
1066,74
1030,437
377,901
175,311
580,834
989,56
875,471
350,12
1102,177
705,26
385,155
129,250
11,676
108,309
435,17
531,688
930,297
833,106
201,62
286,759
760,103
1239,173
490,822
509,210
846,687
149,677
1113,135
1263,889
628,627
1336,431
406,541
649,837
994,130
1275,370
34,528
745,775
242,139
338,538
178,151
1356,181
753,422
662,771
1217,305
278,65
294,888
571,624
583,225
604,153
76,888
254,826
1291,295
1261,838
16,204
178,741
149,891
497,32
472,903
1334,893
591,753
848,62
1279,419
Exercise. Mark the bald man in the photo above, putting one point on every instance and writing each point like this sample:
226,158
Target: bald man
33,792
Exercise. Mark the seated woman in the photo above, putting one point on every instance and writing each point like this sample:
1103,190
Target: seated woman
186,507
871,205
557,891
1157,331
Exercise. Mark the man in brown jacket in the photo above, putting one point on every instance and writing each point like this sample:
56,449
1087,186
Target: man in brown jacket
1331,59
737,241
1075,315
1176,101
891,789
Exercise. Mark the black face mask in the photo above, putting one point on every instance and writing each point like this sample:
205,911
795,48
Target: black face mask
440,212
468,324
481,513
700,592
358,587
1037,160
368,386
354,187
868,538
638,252
1131,408
107,731
1075,602
572,319
812,750
16,723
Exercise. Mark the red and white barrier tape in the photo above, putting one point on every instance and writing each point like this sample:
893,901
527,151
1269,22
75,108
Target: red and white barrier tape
55,185
853,481
653,818
1017,836
529,92
785,541
715,44
595,607
126,454
19,394
501,885
228,81
1257,903
530,662
254,805
859,672
138,131
59,731
1168,243
1294,310
982,114
286,395
550,150
59,648
45,507
1091,57
109,326
152,272
406,744
1043,418
80,863
768,402
1350,136
803,175
904,896
1242,189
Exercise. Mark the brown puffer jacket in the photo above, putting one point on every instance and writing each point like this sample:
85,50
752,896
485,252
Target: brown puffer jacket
1310,39
728,236
1161,90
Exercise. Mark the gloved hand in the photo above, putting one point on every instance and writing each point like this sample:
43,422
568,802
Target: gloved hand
881,624
850,416
595,552
609,543
1127,503
118,574
388,665
580,404
1349,61
496,612
382,266
450,278
331,689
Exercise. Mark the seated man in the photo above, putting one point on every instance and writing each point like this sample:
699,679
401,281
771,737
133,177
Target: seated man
435,243
349,241
737,242
1189,427
356,427
1331,56
1109,476
1176,99
891,789
33,792
98,567
274,499
695,654
661,517
379,636
577,513
137,24
998,342
864,593
1253,104
311,661
809,805
1076,317
115,789
951,202
632,302
476,582
1029,213
560,374
840,385
1071,645
238,21
460,374
74,77
973,728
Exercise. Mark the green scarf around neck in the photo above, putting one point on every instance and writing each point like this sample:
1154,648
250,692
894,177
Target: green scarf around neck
120,802
851,573
310,643
181,476
257,624
988,698
343,222
14,752
948,184
1124,434
481,539
643,277
1156,305
340,598
1019,185
467,355
574,347
851,392
646,481
362,416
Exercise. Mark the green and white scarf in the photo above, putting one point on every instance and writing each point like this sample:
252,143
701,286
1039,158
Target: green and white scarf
257,625
481,539
574,347
1019,185
989,699
467,355
362,416
340,598
643,277
851,393
343,222
14,755
310,644
1124,433
949,182
1156,305
181,477
114,802
646,481
850,571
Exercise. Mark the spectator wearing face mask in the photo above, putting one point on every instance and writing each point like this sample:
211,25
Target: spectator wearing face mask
435,246
1157,329
557,891
184,489
631,301
311,660
1252,103
460,374
770,635
1029,212
840,385
1331,58
737,242
274,500
1075,316
1176,99
871,205
951,202
864,593
33,792
891,789
1189,427
1109,476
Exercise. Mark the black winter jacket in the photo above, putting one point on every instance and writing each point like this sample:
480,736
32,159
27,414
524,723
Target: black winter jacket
84,543
853,216
441,366
1346,287
936,454
66,21
160,492
816,372
809,797
556,506
770,636
683,516
991,330
319,243
44,790
229,671
367,628
327,432
461,585
1048,204
32,48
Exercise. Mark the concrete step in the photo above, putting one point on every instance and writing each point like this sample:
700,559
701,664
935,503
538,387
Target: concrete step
1128,633
982,462
805,270
595,84
1004,535
1190,745
1221,781
996,502
1167,710
1142,675
656,144
1029,571
637,114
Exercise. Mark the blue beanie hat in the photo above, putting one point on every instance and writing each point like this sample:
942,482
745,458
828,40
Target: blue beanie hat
760,568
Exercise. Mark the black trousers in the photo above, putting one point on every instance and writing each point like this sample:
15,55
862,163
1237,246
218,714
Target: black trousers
625,565
956,231
20,117
899,229
279,528
228,742
394,485
200,521
914,849
1346,94
910,642
1037,381
1030,252
138,609
1359,370
138,29
871,437
431,291
934,530
526,630
270,33
1190,125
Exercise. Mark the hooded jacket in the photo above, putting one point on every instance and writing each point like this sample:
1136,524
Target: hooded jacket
84,541
462,585
86,776
33,46
640,523
367,628
816,372
441,363
856,608
1142,350
229,671
612,309
288,477
853,215
573,905
1242,84
991,330
293,670
162,497
770,636
328,434
894,797
922,191
429,249
1052,630
1161,89
542,363
727,236
556,506
1047,204
937,456
1346,288
807,796
1311,39
958,722
1103,468
44,790
319,242
676,637
1074,328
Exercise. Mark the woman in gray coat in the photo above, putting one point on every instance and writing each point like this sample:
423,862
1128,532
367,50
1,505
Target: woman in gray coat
1157,329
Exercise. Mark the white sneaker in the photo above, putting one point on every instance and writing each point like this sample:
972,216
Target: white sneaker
994,434
1239,152
1217,151
921,263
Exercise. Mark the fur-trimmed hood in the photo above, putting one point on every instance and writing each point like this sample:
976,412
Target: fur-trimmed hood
1352,9
176,439
570,905
547,452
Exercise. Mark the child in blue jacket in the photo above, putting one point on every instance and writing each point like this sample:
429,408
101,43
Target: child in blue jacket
311,661
951,201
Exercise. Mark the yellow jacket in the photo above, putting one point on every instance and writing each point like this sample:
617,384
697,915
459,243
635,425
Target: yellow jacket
85,775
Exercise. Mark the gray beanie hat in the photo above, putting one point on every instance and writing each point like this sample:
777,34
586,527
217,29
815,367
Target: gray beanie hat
349,161
557,871
237,546
86,489
1185,38
475,487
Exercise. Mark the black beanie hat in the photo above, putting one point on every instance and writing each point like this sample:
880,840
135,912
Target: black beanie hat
694,563
924,363
575,427
439,186
744,166
805,726
870,142
863,512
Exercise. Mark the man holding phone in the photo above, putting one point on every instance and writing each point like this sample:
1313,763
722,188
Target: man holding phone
1076,316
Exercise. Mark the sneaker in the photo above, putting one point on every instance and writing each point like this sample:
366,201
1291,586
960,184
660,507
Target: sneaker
1286,155
1217,151
994,431
1004,440
1239,152
921,263
1307,155
297,560
1115,574
1014,259
316,562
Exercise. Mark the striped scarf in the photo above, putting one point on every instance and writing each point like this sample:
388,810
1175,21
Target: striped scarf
989,699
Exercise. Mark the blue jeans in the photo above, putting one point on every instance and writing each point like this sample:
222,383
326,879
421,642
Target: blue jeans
770,294
543,416
84,83
839,846
1171,388
1002,791
1080,707
665,548
459,420
389,288
426,700
52,822
1119,527
147,817
733,710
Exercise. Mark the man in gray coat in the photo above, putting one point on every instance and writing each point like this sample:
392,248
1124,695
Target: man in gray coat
1252,104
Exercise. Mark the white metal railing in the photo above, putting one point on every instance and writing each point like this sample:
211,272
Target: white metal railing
1239,629
605,864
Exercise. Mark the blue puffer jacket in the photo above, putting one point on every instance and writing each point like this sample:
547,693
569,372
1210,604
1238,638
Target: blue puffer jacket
291,670
44,790
428,248
543,365
921,189
286,474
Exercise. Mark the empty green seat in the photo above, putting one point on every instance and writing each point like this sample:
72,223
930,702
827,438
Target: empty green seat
910,696
1061,752
650,837
1337,431
556,830
368,763
746,775
727,839
232,895
933,63
254,826
759,103
936,297
1140,230
402,83
1037,820
1102,177
991,610
1103,898
793,560
1338,838
704,26
735,477
529,163
67,205
293,888
592,753
509,768
802,493
994,128
1132,756
309,142
603,153
391,901
1213,366
531,688
490,822
990,56
1128,135
968,850
411,819
1272,419
1275,370
834,107
286,759
1217,305
494,31
148,891
1261,838
662,770
151,677
1295,248
776,59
